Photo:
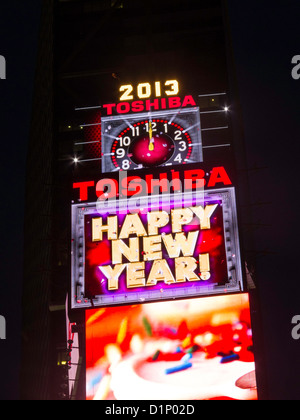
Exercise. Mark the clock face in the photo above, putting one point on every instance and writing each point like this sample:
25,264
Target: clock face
150,140
151,143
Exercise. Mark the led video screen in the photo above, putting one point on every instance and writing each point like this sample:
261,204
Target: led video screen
192,349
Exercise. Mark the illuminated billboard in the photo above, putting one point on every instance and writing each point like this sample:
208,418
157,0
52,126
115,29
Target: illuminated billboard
156,260
160,222
195,349
154,248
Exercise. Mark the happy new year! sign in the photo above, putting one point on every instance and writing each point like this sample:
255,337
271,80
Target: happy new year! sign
155,248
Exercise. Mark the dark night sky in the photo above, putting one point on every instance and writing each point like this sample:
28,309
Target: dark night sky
265,38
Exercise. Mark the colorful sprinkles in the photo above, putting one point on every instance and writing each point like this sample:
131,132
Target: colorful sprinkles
230,345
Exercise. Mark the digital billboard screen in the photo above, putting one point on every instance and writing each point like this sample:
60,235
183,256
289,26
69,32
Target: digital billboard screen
175,138
156,257
153,248
160,222
192,349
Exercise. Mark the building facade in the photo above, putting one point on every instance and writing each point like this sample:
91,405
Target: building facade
88,50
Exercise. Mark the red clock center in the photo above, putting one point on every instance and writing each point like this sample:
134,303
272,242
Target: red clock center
151,152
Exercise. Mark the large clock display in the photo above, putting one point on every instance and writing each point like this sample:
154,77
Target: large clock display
151,140
151,143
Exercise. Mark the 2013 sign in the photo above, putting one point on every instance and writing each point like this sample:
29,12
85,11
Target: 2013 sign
146,90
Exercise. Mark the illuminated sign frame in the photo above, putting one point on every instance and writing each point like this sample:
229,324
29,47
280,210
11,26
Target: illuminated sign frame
234,282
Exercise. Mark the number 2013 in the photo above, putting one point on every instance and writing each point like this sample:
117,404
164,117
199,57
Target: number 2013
145,90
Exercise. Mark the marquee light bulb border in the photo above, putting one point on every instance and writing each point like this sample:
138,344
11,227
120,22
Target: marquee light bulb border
234,283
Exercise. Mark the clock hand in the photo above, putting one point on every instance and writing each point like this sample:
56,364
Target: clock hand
151,143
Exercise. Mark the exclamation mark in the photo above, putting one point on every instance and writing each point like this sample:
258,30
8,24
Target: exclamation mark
204,267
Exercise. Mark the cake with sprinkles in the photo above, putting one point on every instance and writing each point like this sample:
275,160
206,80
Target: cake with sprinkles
196,349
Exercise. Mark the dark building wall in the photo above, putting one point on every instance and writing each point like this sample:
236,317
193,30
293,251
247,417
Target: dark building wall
36,333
